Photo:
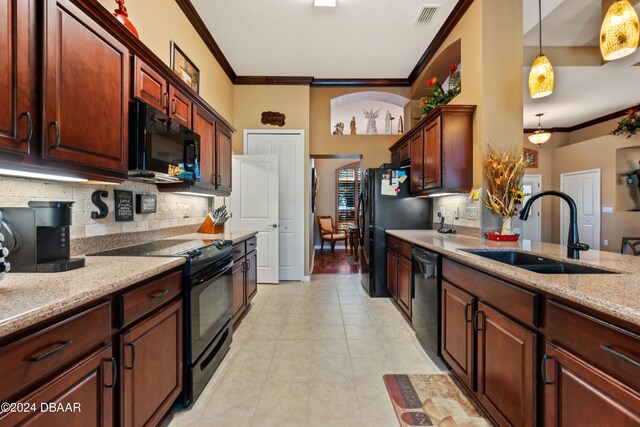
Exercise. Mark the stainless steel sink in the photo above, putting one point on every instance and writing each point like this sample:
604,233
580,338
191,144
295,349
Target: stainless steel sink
537,263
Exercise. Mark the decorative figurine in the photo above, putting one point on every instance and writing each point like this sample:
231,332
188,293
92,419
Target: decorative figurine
353,125
122,15
387,123
371,116
400,126
339,129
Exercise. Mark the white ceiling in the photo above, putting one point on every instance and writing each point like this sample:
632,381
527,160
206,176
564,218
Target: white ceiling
581,93
356,39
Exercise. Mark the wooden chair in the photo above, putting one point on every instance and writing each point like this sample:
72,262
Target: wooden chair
328,232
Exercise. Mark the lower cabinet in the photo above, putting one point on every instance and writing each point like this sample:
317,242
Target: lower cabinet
82,395
457,335
244,276
238,294
399,273
252,275
576,393
392,273
151,355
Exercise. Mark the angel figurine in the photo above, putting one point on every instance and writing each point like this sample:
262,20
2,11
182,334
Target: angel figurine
371,116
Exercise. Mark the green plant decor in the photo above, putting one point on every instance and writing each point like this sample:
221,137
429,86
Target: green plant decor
439,95
630,125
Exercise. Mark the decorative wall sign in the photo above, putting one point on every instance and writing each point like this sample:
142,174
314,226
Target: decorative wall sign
273,118
531,156
184,68
146,203
96,199
124,205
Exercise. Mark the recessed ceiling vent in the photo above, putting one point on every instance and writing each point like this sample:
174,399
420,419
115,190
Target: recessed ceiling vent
426,15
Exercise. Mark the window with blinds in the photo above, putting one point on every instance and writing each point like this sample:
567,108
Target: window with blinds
347,187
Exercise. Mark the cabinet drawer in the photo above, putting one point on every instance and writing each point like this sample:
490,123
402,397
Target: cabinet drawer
144,299
612,348
401,247
238,251
251,244
29,359
511,300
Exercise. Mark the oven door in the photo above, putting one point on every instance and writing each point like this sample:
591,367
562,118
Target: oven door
210,305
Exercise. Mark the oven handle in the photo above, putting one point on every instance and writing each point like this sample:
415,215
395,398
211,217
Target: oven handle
213,276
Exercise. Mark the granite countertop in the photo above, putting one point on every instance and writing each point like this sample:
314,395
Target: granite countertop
29,298
235,236
617,295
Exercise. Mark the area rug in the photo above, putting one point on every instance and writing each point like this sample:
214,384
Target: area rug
432,400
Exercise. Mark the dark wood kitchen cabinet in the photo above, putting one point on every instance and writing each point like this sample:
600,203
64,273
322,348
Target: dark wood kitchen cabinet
441,151
85,391
223,159
151,371
86,91
17,71
457,335
399,273
244,276
149,86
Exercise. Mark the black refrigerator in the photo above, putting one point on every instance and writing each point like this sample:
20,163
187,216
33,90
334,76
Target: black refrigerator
386,204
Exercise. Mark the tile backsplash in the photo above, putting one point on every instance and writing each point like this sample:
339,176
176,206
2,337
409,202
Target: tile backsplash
462,202
173,210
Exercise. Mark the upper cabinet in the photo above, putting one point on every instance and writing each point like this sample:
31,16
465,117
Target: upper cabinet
440,149
150,87
17,69
223,158
86,91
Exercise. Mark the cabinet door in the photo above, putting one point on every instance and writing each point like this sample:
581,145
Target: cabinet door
238,289
579,394
223,159
506,368
392,274
86,91
252,275
457,332
180,107
432,146
149,86
85,389
16,67
417,162
151,358
205,126
404,280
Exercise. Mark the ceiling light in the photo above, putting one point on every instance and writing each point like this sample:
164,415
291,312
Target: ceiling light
539,137
541,77
619,33
36,175
324,3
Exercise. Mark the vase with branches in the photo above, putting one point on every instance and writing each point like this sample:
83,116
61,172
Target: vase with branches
504,195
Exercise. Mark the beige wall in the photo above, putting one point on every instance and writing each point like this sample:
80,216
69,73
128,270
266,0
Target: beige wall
374,148
160,21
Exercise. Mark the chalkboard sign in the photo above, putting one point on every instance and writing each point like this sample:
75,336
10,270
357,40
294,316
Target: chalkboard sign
146,203
124,205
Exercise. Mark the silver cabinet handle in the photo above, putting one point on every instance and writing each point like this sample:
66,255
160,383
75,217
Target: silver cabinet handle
57,125
29,127
617,354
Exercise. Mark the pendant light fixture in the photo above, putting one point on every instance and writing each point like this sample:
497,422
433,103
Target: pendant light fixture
619,33
541,77
539,137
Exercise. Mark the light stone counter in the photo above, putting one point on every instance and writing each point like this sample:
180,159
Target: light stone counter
615,294
235,236
29,298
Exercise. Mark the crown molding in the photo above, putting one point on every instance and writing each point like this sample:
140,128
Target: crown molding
588,123
274,80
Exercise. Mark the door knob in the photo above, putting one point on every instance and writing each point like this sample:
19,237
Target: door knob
273,225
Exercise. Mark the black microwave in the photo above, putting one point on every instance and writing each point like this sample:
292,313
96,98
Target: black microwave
161,150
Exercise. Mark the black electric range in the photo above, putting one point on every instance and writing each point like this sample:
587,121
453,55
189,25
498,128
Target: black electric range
207,296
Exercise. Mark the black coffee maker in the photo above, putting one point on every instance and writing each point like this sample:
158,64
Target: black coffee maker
38,238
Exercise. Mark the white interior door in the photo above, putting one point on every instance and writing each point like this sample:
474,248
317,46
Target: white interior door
289,147
254,206
584,188
531,229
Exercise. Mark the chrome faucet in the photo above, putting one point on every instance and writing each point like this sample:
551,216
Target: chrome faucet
573,245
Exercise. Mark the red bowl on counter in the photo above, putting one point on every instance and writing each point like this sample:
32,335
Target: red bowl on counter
493,235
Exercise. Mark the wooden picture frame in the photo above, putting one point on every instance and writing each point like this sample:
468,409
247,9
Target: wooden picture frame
185,68
532,156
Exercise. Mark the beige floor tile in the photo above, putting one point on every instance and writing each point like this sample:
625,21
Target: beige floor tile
265,332
275,307
270,319
356,319
332,370
361,332
233,400
350,299
223,422
279,422
333,399
326,308
413,365
299,318
293,331
353,308
374,399
294,349
369,348
283,400
379,422
368,370
334,422
185,418
290,371
326,349
328,332
327,319
246,371
256,349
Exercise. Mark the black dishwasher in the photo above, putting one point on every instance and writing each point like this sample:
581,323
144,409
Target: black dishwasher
426,299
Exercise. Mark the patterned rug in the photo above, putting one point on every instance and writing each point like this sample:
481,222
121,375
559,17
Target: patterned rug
432,400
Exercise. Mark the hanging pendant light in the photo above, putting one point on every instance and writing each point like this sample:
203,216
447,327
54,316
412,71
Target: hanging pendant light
539,137
541,77
619,33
